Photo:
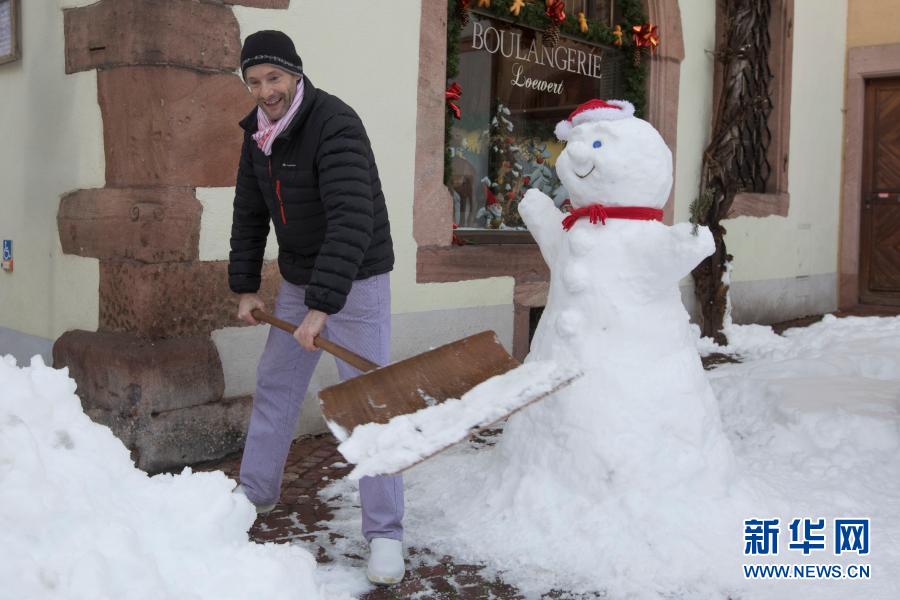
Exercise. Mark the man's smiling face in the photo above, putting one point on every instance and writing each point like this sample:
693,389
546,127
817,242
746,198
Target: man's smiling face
272,88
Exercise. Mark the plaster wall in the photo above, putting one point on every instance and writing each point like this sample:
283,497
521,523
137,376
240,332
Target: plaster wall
698,22
872,22
52,143
804,243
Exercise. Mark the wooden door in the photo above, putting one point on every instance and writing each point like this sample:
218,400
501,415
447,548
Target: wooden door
880,235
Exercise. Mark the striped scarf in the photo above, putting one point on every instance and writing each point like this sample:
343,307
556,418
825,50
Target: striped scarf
267,131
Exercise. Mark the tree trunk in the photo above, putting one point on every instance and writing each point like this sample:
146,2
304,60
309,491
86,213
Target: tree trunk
711,290
735,160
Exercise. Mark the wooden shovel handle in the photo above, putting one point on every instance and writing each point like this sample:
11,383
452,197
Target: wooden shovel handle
331,348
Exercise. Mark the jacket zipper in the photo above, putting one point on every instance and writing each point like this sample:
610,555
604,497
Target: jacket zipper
278,194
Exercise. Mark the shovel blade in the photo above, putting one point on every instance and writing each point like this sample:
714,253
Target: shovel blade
387,449
418,382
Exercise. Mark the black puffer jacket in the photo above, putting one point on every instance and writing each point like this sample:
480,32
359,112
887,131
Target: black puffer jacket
321,190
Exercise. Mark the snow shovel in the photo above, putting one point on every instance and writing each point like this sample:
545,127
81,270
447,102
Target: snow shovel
421,382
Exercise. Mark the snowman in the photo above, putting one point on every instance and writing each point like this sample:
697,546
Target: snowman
633,453
614,309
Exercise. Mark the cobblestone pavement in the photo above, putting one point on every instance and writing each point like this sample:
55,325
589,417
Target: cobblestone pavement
314,463
303,515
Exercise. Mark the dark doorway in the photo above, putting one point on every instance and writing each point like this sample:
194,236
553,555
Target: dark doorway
880,220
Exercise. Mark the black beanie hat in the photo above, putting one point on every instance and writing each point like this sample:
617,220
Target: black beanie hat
270,47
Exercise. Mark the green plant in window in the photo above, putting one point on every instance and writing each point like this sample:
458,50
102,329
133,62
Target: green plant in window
519,160
505,164
454,27
537,172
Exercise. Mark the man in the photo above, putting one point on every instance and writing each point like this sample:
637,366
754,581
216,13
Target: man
307,167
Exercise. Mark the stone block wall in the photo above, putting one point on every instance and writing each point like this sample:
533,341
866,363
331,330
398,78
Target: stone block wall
170,102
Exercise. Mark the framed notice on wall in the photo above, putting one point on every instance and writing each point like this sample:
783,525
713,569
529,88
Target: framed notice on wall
9,31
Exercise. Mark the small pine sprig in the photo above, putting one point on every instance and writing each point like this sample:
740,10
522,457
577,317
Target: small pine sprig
699,209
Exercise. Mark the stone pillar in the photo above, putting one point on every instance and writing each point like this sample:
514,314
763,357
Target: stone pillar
170,102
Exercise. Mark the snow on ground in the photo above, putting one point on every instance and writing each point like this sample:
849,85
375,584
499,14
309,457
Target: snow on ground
814,420
813,416
79,521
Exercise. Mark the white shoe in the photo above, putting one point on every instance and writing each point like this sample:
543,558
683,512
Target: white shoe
386,564
261,509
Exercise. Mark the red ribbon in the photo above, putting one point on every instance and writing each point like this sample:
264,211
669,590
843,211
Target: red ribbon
457,241
556,11
645,36
453,93
598,212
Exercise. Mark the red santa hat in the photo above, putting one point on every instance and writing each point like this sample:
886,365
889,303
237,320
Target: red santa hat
490,197
592,111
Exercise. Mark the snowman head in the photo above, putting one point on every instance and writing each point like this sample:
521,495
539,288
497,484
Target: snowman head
612,157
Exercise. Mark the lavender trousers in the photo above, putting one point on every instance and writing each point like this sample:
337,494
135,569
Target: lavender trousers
283,375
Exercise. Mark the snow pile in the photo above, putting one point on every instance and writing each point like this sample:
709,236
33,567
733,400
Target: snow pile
78,520
742,340
822,406
814,420
405,440
846,339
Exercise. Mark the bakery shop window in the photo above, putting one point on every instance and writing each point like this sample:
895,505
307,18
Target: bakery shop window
514,83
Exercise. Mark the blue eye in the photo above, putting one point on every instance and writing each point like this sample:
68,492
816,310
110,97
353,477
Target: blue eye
597,143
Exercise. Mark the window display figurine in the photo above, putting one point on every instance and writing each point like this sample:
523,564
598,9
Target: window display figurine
462,190
490,216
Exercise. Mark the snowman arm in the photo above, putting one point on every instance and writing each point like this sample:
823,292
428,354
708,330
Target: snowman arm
543,220
688,250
